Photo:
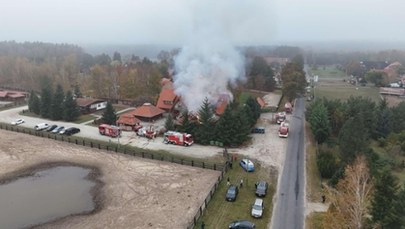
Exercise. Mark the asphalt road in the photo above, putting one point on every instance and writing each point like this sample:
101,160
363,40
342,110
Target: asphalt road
288,212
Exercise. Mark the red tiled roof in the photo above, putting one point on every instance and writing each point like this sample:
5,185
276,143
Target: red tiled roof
128,119
166,95
16,95
261,102
83,102
147,110
3,94
221,106
223,101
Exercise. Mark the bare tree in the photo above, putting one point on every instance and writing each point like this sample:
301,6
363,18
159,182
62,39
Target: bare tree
351,198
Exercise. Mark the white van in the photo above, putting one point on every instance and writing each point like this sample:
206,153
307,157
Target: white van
41,126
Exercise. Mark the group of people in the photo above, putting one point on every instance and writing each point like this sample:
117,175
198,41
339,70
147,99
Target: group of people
228,182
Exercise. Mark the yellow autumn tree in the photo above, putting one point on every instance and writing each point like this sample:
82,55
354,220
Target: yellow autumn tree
349,202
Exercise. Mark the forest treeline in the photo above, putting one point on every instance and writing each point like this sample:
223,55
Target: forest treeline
351,136
25,65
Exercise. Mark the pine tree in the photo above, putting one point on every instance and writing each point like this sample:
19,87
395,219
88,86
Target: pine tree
255,108
242,125
382,205
320,123
186,126
57,104
399,206
205,130
225,130
46,100
109,115
353,138
34,103
70,109
169,123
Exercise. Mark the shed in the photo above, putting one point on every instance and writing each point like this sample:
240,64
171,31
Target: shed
128,121
148,112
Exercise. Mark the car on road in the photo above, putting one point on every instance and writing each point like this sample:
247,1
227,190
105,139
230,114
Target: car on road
239,224
247,165
17,122
231,193
71,131
41,126
257,208
58,129
50,128
261,188
258,130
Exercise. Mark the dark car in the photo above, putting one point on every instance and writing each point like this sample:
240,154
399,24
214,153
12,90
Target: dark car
258,130
231,193
239,224
51,128
261,188
71,130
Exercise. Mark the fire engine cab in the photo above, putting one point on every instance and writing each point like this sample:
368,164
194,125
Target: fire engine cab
177,138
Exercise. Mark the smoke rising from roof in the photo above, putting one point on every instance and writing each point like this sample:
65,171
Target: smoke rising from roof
208,63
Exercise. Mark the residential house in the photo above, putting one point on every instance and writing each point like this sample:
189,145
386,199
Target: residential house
167,98
88,105
8,95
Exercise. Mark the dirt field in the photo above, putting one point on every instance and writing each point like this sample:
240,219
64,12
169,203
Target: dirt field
393,100
136,193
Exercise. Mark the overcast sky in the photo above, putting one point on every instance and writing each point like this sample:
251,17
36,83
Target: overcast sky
170,22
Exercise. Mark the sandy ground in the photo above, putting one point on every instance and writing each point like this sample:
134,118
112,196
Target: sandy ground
137,193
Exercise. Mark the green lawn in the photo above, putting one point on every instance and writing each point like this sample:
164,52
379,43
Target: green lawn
328,71
84,118
344,92
220,213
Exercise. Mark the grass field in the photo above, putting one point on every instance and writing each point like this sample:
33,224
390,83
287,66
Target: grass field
220,213
328,71
314,221
344,92
314,187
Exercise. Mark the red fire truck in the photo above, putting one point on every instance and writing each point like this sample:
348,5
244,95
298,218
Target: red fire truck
177,138
109,130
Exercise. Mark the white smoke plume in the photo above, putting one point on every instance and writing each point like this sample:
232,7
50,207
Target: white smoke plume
209,63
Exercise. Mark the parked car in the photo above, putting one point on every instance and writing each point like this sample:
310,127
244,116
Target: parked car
257,208
71,131
50,128
41,126
232,193
17,122
258,130
58,129
247,165
261,188
62,131
239,224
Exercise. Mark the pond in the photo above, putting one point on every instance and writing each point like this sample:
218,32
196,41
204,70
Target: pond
46,195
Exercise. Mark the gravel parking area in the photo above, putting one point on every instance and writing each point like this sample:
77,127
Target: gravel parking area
137,193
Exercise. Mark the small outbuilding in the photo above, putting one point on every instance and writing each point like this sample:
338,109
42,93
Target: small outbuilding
128,121
147,112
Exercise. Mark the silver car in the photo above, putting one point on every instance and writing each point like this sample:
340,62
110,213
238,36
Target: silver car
257,208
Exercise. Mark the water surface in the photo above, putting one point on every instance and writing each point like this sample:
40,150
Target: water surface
45,196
